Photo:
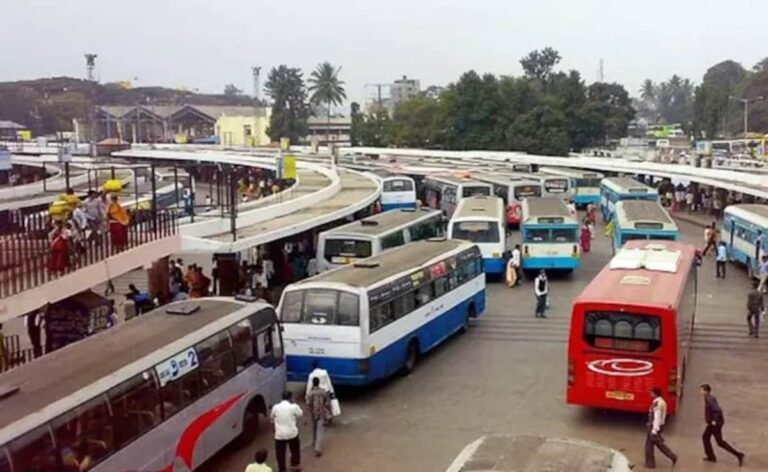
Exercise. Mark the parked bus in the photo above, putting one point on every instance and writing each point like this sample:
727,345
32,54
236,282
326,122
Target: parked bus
521,167
370,319
585,184
640,219
397,191
512,190
743,226
374,234
549,235
552,185
444,193
631,328
481,221
616,189
163,391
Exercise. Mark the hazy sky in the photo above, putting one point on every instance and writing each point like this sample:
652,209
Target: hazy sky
206,44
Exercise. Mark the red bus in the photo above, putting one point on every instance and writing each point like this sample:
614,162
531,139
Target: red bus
631,328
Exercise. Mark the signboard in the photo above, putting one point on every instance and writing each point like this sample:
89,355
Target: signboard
24,135
177,366
5,160
65,153
289,167
285,143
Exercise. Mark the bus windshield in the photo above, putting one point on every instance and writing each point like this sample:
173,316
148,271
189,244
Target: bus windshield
320,306
524,191
475,191
621,331
397,185
339,250
543,235
476,231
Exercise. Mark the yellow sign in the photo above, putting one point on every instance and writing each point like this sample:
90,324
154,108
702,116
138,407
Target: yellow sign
289,167
285,143
24,135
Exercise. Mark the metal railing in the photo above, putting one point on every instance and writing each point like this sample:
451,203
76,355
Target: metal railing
12,354
25,249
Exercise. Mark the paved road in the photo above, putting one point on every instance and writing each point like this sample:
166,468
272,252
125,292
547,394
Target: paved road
507,376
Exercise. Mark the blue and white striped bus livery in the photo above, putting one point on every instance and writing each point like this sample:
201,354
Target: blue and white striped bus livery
615,189
745,232
481,221
365,321
585,184
549,234
397,191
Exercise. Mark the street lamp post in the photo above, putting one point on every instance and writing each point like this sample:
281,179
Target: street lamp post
746,102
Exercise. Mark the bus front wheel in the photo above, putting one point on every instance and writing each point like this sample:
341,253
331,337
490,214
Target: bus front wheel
469,314
411,357
255,408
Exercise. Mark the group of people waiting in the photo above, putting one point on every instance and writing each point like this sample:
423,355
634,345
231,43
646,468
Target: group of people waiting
84,221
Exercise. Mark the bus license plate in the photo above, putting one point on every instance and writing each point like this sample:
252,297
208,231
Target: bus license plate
619,395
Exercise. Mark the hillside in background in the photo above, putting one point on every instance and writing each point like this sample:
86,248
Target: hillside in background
49,105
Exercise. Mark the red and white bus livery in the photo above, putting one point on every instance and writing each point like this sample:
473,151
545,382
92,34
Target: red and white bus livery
513,190
631,328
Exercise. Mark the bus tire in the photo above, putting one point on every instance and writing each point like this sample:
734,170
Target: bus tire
411,356
470,313
255,408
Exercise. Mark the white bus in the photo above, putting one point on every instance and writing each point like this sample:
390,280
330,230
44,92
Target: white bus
549,235
585,184
367,320
638,219
513,190
444,193
616,189
745,232
552,185
397,191
162,392
374,234
481,221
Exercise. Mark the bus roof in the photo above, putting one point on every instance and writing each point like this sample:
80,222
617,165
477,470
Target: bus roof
752,212
479,208
507,179
642,287
452,180
535,207
382,223
629,212
62,373
626,185
570,172
369,271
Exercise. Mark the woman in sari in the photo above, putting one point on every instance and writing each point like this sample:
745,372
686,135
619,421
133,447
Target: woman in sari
59,248
118,223
585,236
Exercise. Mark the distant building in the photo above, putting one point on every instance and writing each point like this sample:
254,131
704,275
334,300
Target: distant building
340,130
402,90
9,130
248,128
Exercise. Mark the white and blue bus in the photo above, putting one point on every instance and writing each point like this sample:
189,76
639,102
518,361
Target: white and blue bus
397,191
481,221
368,320
552,185
374,234
445,192
549,235
639,219
616,189
513,189
745,232
585,184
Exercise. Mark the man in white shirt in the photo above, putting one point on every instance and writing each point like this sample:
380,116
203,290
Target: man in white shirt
285,416
657,416
541,289
513,267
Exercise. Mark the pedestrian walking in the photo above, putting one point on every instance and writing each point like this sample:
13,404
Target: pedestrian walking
710,237
720,259
715,419
260,462
319,405
657,417
513,268
585,236
541,289
689,201
755,308
285,416
762,272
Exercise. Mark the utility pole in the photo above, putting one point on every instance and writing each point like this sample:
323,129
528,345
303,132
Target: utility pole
90,65
256,71
746,102
378,92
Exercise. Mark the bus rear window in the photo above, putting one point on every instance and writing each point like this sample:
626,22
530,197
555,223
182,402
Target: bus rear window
320,307
524,191
475,191
564,235
556,185
337,251
618,331
476,231
397,186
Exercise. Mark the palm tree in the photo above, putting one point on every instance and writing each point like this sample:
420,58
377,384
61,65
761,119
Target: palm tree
326,88
648,91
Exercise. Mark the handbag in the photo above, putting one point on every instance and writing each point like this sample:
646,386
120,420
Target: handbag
335,405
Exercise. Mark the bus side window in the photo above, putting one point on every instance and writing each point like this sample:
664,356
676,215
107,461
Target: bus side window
441,286
242,345
179,393
84,435
393,240
135,408
423,295
34,451
348,310
216,361
269,354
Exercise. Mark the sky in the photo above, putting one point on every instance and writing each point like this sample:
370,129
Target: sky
206,44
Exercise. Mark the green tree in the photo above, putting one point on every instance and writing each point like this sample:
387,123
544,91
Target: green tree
648,90
231,90
540,64
539,131
327,88
376,131
608,107
414,123
358,122
674,101
469,113
290,110
711,103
